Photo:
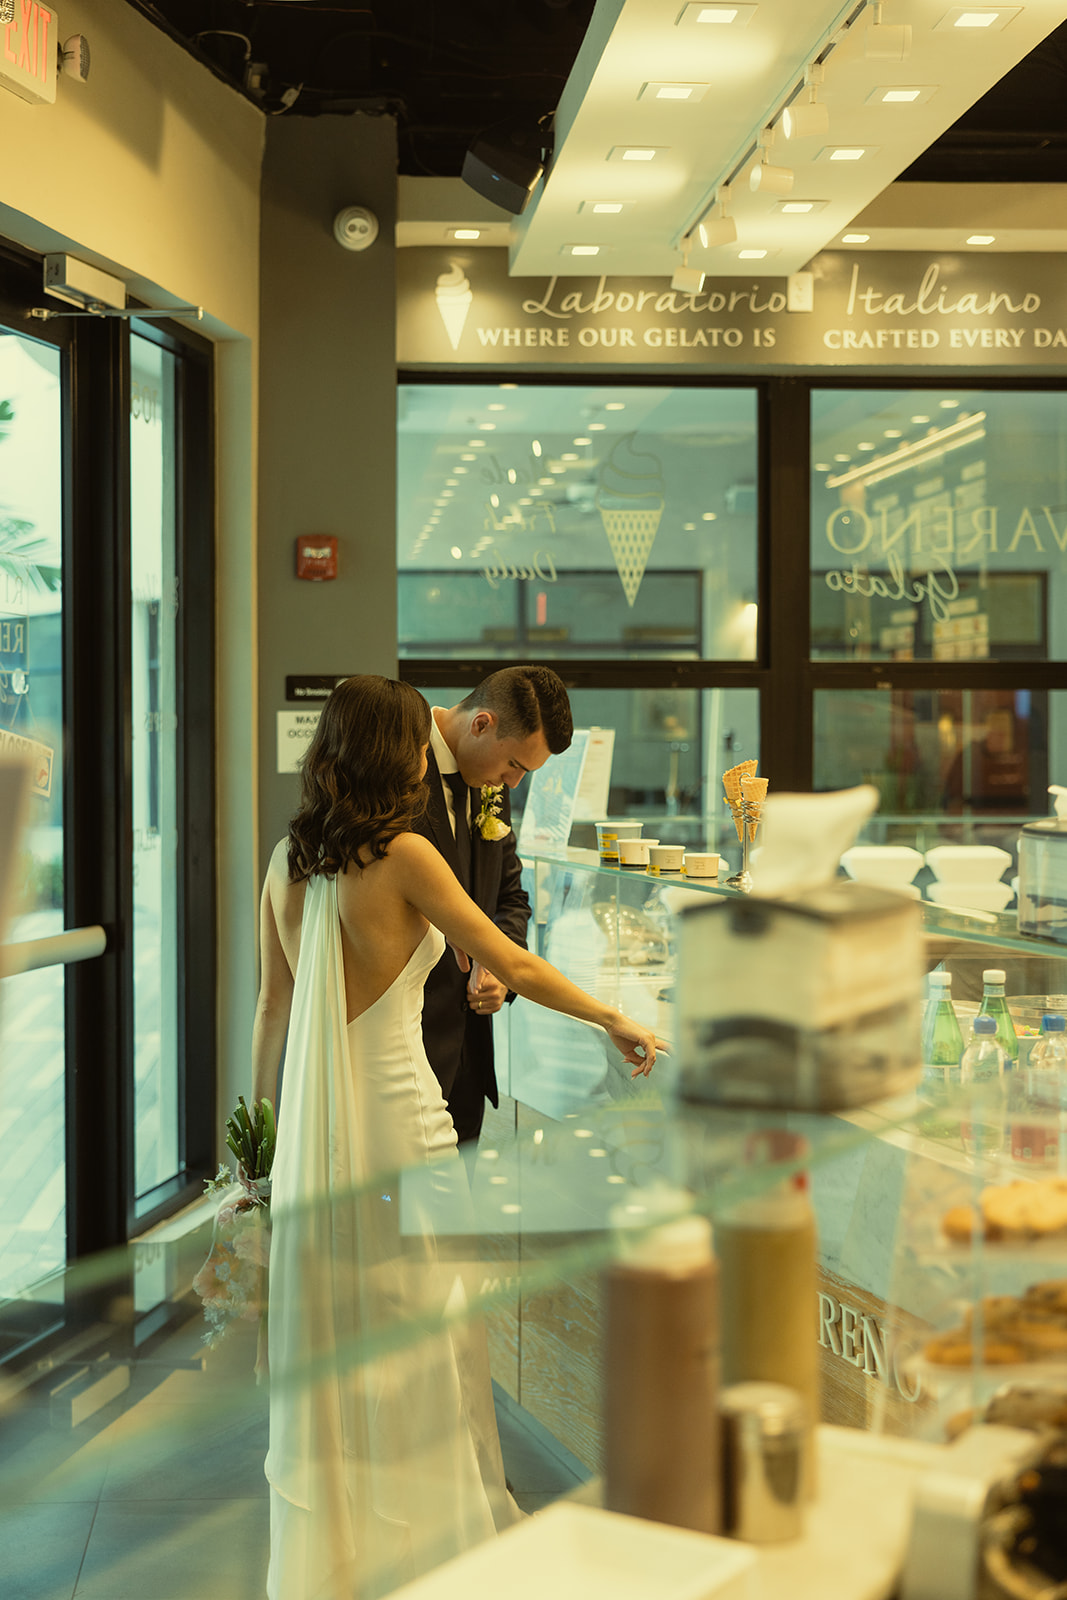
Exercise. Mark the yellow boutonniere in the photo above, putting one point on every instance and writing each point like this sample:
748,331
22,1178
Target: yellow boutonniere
488,821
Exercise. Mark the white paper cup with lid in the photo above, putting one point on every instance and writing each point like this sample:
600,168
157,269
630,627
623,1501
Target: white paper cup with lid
701,864
664,858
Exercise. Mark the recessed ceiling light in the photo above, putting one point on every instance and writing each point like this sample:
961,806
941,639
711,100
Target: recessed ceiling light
855,238
979,18
918,421
583,441
507,386
494,500
568,455
725,15
615,405
476,444
468,458
458,470
847,152
689,527
796,208
893,433
546,481
823,466
535,446
982,238
708,516
603,208
629,152
487,427
581,249
495,405
901,94
456,552
949,405
597,427
842,458
751,255
465,233
866,445
689,92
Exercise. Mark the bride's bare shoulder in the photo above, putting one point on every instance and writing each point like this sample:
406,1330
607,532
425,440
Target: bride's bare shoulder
411,849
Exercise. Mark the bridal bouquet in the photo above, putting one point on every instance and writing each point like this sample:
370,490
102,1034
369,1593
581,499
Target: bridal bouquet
232,1281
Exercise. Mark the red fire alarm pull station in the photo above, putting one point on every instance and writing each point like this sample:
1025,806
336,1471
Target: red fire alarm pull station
316,557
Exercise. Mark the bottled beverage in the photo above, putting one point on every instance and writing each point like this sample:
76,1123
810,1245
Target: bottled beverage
942,1041
767,1252
661,1374
982,1071
994,1005
1041,1096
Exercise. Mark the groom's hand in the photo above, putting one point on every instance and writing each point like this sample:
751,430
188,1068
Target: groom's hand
485,994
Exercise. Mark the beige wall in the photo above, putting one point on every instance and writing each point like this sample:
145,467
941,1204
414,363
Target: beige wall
151,170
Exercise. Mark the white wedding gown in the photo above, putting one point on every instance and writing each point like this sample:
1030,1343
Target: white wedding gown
384,1457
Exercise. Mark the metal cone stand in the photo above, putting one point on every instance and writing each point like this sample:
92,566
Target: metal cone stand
745,813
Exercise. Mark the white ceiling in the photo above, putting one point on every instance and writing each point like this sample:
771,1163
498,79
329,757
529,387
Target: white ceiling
751,72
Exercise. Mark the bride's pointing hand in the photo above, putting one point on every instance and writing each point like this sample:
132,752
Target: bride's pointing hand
637,1044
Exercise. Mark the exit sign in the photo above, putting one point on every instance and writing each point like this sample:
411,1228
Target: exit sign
29,53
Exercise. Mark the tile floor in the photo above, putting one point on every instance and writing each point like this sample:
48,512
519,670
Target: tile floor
160,1495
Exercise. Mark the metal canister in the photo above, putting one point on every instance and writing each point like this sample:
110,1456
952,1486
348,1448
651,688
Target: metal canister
763,1435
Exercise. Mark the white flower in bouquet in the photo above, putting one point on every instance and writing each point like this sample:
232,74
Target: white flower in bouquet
488,821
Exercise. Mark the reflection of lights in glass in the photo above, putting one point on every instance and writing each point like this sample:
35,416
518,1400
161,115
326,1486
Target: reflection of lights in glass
487,427
507,386
494,500
965,430
614,1177
919,420
598,1152
708,516
949,405
823,466
495,405
539,1136
842,458
866,445
537,491
597,427
583,441
498,1177
511,1210
893,433
585,1133
468,458
546,481
476,444
458,471
489,1155
557,467
513,476
448,494
455,552
535,446
568,455
525,501
689,527
615,405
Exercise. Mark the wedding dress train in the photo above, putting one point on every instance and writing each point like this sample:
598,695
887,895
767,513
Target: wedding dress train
384,1457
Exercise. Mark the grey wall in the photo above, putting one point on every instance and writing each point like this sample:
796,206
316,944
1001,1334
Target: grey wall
327,419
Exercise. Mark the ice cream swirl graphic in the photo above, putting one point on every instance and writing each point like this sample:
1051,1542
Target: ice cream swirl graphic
453,296
630,497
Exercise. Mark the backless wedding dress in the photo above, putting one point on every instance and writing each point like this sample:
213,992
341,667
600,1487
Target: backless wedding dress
384,1457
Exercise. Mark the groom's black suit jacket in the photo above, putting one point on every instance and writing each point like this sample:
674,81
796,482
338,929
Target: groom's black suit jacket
457,1040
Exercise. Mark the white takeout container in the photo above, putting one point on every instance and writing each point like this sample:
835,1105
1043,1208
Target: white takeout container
971,896
701,864
665,858
634,852
968,863
890,865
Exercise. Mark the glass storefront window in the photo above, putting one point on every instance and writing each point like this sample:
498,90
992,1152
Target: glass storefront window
546,522
970,753
33,1231
154,789
938,525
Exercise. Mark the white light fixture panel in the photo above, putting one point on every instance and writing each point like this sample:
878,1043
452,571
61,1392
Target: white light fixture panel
638,154
677,93
604,208
901,94
976,19
799,208
848,153
712,13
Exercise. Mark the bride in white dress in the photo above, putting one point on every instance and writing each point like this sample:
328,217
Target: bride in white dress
384,1458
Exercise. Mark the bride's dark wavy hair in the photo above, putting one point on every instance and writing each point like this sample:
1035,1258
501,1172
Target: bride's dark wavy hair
361,781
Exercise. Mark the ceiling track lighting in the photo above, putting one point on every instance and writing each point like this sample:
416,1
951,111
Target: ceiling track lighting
687,279
804,119
967,430
886,41
715,227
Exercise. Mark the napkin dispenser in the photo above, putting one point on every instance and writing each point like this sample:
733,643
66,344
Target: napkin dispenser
806,1003
1043,879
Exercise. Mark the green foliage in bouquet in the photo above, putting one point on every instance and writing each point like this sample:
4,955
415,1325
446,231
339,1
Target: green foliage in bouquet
251,1136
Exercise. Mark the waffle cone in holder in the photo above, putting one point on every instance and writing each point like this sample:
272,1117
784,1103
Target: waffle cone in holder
753,794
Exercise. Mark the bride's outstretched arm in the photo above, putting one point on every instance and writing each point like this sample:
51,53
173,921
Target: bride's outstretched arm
273,1005
428,884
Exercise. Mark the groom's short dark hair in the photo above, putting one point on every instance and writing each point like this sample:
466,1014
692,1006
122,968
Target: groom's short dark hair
525,700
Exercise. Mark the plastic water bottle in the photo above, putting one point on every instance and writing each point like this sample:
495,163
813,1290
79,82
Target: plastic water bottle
1041,1098
982,1071
942,1041
994,1005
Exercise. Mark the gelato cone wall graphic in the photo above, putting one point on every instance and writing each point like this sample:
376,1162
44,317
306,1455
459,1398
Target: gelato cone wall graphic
630,498
453,296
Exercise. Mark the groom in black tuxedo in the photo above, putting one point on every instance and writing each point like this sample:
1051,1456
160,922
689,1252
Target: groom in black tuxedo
506,727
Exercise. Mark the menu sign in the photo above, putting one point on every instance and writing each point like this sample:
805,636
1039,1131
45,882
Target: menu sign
898,309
